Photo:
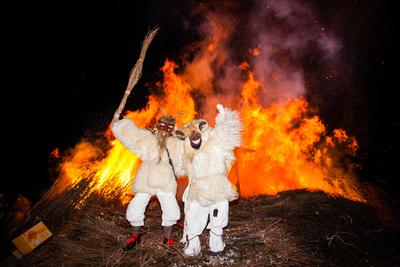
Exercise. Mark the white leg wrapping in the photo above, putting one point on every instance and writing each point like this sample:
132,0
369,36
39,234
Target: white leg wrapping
216,244
218,220
136,209
193,248
169,207
195,221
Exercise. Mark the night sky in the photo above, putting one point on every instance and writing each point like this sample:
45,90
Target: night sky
70,64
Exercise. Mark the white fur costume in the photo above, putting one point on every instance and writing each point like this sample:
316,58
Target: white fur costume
153,177
209,190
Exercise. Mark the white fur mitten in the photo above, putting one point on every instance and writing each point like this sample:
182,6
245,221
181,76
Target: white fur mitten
221,109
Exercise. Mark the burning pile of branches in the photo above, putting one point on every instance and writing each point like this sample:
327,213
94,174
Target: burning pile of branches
295,228
286,147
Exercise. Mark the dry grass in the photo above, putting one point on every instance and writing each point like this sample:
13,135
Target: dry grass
296,228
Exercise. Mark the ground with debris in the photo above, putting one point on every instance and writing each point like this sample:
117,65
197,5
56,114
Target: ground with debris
294,228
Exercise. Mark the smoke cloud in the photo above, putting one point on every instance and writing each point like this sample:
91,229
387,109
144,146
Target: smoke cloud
272,36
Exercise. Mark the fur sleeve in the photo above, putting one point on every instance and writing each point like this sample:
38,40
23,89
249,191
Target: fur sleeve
176,150
228,128
138,140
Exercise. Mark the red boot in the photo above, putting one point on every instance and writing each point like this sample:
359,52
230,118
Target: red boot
133,241
168,241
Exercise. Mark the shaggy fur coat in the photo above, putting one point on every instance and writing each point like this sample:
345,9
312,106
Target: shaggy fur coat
208,166
152,175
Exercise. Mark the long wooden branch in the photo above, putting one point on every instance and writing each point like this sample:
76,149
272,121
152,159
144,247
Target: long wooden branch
135,73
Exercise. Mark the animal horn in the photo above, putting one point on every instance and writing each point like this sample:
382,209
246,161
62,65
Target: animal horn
187,124
163,111
177,115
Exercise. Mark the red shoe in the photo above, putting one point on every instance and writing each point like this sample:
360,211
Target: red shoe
168,241
132,241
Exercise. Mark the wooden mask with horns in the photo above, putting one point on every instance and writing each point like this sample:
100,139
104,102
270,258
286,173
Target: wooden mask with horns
166,123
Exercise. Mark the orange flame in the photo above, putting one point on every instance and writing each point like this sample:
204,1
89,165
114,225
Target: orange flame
284,146
285,149
111,176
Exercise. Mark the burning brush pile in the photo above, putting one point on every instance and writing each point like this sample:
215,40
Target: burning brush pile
293,228
301,202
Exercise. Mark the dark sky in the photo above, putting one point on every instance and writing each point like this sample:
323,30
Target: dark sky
70,63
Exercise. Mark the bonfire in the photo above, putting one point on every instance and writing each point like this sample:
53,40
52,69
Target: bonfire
299,205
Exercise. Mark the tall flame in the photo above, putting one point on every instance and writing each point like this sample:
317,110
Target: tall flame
111,176
285,149
285,145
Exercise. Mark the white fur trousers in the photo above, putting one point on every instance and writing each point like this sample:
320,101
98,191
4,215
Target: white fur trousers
168,203
196,217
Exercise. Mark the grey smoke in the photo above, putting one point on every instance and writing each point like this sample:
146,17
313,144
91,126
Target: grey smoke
283,30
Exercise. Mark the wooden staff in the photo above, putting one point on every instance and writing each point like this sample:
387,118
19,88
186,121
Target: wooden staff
135,73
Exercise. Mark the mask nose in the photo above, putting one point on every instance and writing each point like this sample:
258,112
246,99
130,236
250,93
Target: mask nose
195,135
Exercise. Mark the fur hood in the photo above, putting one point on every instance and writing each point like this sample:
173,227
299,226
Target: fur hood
209,164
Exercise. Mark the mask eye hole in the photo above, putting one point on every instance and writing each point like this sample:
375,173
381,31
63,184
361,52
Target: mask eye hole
203,125
180,134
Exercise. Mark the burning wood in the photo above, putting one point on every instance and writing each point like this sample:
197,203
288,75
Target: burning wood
288,146
323,220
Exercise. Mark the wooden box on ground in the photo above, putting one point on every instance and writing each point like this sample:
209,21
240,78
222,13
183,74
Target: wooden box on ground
32,238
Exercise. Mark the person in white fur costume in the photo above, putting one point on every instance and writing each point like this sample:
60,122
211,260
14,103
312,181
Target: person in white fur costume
161,156
209,156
